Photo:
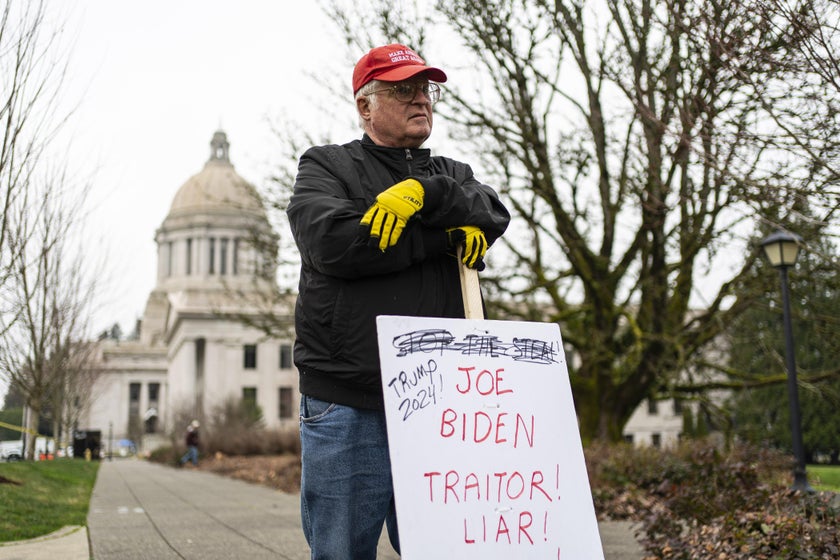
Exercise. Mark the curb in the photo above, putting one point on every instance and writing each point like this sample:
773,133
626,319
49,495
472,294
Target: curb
70,542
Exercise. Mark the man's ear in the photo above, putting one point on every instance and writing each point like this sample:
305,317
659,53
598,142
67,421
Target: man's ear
363,107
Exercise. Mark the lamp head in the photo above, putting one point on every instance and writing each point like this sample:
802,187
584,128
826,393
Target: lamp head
781,248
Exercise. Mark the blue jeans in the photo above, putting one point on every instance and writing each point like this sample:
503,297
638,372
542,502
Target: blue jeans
190,455
346,490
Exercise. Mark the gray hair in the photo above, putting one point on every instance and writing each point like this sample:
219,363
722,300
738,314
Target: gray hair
368,90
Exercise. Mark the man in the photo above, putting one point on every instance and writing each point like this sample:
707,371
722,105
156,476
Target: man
377,222
191,441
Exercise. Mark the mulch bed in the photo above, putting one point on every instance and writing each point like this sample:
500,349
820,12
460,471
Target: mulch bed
281,472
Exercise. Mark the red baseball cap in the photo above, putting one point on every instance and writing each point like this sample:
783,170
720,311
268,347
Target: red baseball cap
392,63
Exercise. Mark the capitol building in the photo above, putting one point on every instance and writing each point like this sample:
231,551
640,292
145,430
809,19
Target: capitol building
199,344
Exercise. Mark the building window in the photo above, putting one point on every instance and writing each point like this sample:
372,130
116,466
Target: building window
628,438
211,266
189,256
678,407
133,404
223,250
200,351
154,392
285,403
656,439
170,253
653,406
266,266
235,265
249,404
250,356
150,417
285,356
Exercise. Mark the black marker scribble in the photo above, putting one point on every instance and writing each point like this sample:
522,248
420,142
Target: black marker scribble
431,340
440,340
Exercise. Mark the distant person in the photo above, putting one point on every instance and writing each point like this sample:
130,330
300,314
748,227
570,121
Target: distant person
378,222
191,439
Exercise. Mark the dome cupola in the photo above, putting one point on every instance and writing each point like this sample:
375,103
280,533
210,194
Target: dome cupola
217,187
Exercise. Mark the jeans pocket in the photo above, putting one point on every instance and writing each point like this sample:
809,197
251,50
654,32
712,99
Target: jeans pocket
312,409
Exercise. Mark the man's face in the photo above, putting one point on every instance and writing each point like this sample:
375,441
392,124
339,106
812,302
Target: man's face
398,124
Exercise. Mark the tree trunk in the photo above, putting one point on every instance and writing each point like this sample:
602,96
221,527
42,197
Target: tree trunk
33,416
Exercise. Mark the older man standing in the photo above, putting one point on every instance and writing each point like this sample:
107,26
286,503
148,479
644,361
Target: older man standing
378,222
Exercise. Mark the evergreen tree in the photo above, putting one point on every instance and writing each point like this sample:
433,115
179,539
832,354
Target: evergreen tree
762,413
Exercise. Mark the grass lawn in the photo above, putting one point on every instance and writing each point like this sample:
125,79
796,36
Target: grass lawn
39,497
824,477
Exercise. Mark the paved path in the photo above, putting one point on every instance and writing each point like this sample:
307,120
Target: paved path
141,511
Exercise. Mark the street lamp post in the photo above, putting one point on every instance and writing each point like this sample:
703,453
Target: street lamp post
782,249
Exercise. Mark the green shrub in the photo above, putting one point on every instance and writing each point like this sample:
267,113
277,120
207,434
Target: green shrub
700,502
257,441
617,474
166,454
235,427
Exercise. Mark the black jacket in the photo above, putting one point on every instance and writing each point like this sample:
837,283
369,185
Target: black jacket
345,283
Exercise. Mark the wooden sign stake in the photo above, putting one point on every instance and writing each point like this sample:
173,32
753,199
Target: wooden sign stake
470,290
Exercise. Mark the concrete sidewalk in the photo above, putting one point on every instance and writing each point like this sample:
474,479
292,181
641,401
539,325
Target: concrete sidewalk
141,510
68,543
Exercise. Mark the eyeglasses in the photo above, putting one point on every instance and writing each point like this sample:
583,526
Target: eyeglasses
405,92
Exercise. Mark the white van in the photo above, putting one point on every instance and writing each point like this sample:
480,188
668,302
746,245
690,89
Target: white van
11,450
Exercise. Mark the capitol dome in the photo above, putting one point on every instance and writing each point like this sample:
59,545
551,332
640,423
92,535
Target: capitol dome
217,188
216,235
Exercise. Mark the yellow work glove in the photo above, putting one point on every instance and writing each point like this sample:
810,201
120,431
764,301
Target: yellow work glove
392,209
474,243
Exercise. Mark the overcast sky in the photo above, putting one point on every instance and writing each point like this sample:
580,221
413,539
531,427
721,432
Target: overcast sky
148,84
154,80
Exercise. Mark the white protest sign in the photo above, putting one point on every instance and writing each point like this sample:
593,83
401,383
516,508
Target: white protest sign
485,449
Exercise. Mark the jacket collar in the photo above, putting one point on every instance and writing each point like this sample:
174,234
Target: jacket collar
403,162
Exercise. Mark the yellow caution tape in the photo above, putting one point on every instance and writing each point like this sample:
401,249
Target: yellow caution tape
20,429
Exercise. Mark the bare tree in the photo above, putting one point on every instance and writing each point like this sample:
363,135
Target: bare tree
74,358
78,376
44,293
38,350
806,105
638,153
31,81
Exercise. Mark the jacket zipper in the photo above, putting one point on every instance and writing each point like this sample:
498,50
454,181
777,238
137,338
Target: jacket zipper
409,158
